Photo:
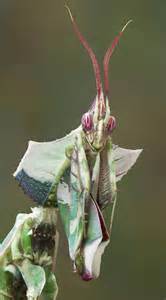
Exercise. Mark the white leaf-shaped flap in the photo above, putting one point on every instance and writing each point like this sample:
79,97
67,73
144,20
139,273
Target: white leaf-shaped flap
124,160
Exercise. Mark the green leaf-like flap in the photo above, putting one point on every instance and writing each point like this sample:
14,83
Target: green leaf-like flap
12,240
5,284
34,277
50,291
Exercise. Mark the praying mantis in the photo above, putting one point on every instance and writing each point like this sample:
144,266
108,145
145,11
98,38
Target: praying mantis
78,173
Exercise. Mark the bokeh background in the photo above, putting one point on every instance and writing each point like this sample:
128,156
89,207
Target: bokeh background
47,83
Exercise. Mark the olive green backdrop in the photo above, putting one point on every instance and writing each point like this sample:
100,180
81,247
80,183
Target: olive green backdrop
47,83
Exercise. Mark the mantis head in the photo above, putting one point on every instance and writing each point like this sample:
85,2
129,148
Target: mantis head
98,123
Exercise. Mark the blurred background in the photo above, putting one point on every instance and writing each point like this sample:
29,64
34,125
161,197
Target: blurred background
47,83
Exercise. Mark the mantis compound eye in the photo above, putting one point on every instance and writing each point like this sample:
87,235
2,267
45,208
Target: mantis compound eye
87,122
111,124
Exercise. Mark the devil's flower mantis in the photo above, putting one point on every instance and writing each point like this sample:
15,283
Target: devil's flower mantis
28,255
78,173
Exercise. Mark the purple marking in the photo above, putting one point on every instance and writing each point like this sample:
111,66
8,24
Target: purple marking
87,122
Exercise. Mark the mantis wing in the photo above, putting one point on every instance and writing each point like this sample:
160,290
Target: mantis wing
42,166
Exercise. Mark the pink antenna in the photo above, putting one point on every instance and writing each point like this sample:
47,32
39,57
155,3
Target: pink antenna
108,55
89,50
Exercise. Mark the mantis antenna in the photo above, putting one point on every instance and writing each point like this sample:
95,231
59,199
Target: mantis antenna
89,50
108,55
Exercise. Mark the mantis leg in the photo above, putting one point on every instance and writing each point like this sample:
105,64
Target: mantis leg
12,285
80,189
50,290
107,181
34,278
113,193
